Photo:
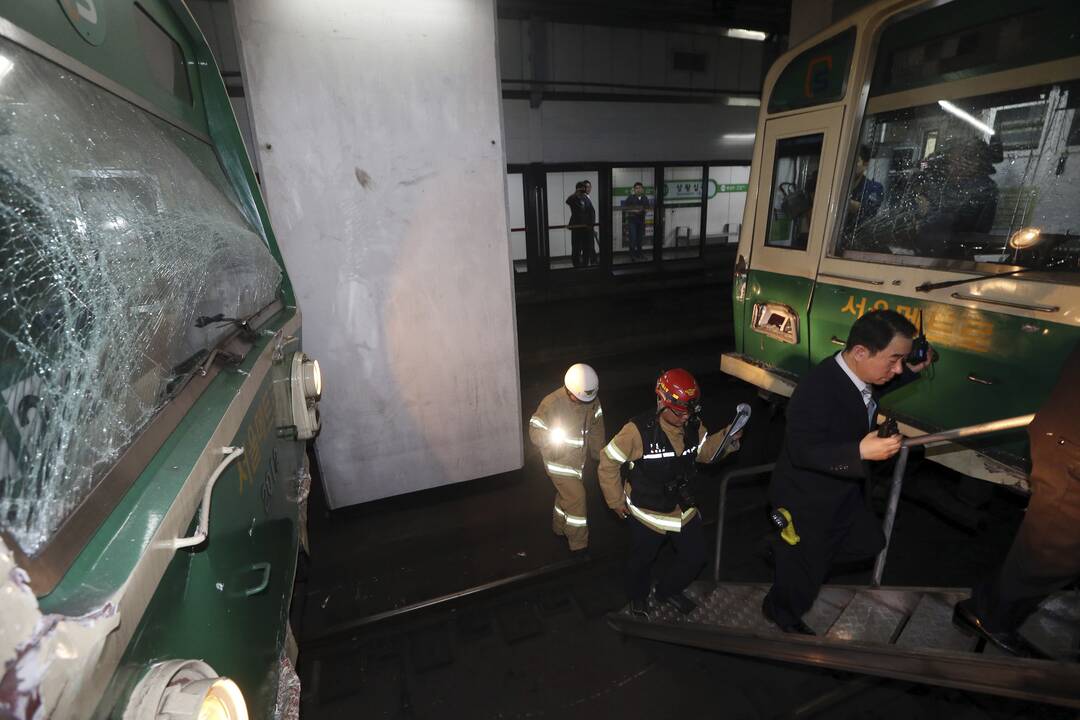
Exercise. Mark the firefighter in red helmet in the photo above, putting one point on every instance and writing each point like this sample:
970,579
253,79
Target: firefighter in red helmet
661,448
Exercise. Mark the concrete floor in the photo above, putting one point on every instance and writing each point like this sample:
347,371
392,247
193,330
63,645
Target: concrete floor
538,646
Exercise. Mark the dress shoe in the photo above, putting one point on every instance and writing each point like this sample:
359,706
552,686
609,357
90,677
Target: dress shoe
640,608
679,601
967,620
797,628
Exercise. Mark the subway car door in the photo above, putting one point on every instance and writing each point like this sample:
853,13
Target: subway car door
797,165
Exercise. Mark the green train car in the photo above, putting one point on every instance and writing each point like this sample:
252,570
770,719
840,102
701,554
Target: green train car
924,157
155,401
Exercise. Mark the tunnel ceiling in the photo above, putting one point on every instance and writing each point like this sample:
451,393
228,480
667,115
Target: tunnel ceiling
771,16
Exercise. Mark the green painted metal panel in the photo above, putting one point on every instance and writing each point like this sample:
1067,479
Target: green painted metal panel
768,287
968,38
816,76
109,558
1020,356
227,602
120,57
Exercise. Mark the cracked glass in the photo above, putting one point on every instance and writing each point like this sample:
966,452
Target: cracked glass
119,236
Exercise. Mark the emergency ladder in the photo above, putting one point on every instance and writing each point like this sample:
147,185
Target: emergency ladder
903,633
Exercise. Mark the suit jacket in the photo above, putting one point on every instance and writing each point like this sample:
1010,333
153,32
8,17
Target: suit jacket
819,464
582,212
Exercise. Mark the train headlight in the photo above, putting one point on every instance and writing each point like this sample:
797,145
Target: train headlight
307,386
1025,238
312,379
185,690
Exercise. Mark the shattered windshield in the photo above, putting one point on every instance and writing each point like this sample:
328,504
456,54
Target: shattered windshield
984,179
117,233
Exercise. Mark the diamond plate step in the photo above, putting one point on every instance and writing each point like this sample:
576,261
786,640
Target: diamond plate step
1055,627
874,616
930,625
829,606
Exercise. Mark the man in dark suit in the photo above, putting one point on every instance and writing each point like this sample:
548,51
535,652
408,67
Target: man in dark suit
582,219
829,442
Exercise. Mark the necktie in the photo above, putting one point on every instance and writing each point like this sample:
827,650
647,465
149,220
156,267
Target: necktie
871,406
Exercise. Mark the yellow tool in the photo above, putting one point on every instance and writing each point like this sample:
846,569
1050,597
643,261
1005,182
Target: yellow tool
781,518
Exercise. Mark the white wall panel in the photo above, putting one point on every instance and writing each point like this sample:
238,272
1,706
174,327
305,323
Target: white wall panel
382,161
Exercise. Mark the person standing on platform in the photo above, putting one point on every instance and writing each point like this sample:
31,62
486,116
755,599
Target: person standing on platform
568,428
592,249
829,441
582,219
1045,555
635,206
661,448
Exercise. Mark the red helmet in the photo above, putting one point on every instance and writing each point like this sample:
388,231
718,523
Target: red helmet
678,390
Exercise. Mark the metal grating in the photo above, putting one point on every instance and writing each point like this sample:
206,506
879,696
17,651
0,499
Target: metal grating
827,608
1055,627
931,625
874,616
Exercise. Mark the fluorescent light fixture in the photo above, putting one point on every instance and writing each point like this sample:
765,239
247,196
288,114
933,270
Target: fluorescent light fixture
970,120
742,34
5,66
744,102
738,137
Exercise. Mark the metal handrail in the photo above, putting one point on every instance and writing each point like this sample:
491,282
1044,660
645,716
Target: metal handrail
901,466
724,482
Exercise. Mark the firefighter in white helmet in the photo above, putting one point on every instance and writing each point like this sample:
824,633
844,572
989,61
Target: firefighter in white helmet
568,428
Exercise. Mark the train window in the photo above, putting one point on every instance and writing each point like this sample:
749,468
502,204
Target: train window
119,238
966,38
995,186
817,76
795,172
164,58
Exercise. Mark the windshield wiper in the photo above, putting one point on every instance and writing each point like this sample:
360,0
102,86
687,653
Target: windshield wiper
246,332
928,286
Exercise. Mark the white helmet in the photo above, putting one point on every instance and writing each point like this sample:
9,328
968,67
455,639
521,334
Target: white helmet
581,382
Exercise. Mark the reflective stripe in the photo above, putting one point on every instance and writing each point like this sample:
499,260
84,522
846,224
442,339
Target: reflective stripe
599,412
612,451
574,442
661,522
654,456
538,423
571,519
557,469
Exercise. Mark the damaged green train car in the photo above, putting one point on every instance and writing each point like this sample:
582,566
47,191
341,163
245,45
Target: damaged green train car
155,401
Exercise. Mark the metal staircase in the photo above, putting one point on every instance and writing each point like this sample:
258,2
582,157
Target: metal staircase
900,633
895,632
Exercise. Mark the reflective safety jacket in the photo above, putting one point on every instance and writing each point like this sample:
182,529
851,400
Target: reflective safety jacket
657,459
567,432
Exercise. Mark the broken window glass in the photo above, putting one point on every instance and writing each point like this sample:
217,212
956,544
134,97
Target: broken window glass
984,179
118,232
